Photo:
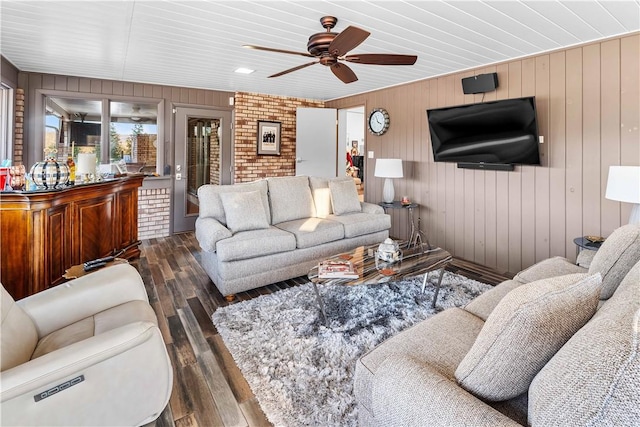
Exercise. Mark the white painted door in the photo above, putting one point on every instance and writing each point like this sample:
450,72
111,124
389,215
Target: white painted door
316,142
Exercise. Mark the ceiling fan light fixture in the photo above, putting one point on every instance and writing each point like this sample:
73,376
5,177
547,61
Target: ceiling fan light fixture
243,70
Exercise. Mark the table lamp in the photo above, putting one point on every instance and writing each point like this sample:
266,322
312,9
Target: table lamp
86,167
623,185
388,169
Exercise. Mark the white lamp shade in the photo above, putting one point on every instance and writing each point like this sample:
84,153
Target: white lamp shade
388,168
86,163
623,184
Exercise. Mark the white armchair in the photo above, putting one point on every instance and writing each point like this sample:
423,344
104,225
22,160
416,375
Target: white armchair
87,352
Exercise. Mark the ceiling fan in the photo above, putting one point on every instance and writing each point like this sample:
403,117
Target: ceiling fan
329,48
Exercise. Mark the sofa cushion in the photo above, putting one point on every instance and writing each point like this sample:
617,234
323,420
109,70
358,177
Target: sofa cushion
344,197
107,320
313,231
255,243
440,341
244,211
616,256
524,331
359,224
321,196
290,198
211,204
595,378
550,267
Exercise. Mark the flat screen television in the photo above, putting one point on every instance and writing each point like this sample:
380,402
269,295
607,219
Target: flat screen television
84,134
496,133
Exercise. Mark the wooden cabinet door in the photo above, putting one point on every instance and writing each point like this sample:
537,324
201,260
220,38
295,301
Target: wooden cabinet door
16,257
58,244
95,228
128,214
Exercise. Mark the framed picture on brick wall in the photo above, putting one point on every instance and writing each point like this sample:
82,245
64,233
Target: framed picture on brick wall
269,136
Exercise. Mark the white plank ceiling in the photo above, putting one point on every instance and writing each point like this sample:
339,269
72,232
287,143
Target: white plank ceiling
199,43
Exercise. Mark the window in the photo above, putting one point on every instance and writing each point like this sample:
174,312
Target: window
133,135
6,122
130,130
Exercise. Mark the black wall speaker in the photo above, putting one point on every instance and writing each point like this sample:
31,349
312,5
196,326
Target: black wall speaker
480,83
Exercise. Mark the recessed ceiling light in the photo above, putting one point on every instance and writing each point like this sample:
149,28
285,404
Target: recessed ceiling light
244,70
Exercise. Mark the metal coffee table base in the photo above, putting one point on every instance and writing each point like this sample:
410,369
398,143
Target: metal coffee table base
424,285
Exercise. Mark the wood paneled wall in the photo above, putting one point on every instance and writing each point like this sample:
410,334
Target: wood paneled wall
588,104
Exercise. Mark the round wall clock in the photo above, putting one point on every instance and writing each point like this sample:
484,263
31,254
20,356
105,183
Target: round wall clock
378,122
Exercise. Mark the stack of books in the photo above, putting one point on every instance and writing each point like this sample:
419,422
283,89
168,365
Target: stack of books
337,269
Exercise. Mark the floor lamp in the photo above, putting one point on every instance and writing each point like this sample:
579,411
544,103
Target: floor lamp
388,169
623,185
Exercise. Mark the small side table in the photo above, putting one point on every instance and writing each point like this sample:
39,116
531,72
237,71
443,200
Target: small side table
584,243
416,234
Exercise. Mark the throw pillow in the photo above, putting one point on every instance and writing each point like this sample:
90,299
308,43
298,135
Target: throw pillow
244,211
321,196
615,257
344,196
528,326
290,198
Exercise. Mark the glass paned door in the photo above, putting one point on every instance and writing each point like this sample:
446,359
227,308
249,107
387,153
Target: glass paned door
202,156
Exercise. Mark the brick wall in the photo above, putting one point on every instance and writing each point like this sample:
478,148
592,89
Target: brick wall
251,107
214,154
18,137
154,212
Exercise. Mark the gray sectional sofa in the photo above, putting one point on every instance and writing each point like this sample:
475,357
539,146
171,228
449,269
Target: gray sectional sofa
262,232
558,345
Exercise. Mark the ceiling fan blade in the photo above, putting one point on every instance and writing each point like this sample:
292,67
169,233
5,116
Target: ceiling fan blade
382,59
344,73
270,49
347,40
299,67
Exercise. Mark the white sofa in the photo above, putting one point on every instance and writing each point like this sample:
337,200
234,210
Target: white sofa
87,352
274,229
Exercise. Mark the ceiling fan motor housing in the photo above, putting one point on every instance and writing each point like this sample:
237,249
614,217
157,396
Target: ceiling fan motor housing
319,43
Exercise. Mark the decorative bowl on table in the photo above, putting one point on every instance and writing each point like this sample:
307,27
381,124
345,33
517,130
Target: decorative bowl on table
389,251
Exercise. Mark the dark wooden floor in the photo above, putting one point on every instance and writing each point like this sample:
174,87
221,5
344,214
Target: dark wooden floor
208,388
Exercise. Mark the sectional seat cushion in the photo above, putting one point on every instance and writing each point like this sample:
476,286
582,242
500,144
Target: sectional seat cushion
594,380
551,267
440,341
244,211
290,198
100,323
527,327
211,204
311,232
616,256
344,197
255,243
359,223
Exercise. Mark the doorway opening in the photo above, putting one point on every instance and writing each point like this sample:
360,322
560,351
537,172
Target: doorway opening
203,147
351,142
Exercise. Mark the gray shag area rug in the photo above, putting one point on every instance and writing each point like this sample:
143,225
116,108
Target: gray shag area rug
300,370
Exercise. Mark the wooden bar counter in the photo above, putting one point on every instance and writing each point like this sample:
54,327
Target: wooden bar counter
45,232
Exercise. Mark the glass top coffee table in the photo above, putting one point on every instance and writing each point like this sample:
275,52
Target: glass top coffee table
415,260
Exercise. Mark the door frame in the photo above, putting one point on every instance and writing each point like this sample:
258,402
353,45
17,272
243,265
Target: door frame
181,221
